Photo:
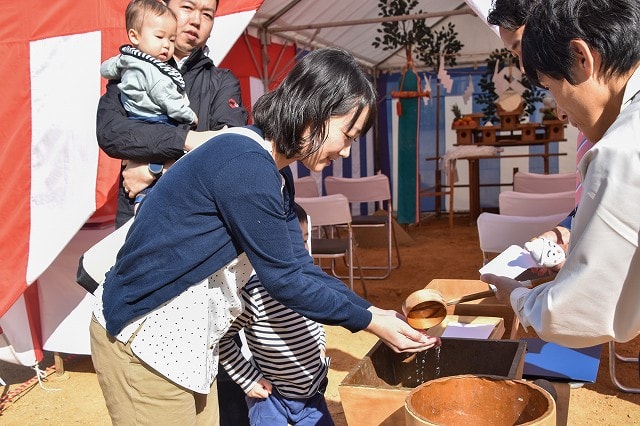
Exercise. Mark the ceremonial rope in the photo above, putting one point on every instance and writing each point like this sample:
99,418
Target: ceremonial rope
41,376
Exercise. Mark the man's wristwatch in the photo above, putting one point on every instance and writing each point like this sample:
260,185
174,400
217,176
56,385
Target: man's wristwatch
156,170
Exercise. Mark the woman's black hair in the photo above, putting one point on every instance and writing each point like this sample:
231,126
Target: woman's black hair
325,83
610,27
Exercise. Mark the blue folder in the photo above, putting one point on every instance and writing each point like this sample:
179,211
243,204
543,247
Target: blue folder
555,362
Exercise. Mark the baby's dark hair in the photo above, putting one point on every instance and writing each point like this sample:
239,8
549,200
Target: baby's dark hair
137,9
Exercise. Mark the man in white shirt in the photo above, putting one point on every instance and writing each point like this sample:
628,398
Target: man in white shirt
587,55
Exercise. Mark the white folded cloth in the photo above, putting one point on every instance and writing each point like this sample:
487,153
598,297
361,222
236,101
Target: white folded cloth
448,161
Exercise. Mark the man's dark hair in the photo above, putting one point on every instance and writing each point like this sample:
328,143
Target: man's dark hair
325,83
217,3
510,14
610,27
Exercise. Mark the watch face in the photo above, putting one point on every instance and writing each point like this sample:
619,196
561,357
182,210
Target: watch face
155,169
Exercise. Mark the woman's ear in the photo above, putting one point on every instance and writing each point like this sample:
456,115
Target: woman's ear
586,61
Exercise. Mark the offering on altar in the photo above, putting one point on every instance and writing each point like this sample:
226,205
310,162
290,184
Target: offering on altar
510,106
460,121
465,122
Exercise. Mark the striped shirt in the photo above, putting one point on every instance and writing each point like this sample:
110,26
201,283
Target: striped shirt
288,349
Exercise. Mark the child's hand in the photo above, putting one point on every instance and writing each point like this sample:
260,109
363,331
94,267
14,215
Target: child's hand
261,390
194,125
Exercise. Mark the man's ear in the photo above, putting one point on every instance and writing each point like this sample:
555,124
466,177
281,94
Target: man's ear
586,61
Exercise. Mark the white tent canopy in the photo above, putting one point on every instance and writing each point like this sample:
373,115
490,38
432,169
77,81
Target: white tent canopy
353,25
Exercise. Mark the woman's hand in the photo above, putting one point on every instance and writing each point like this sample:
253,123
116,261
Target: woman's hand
379,311
397,334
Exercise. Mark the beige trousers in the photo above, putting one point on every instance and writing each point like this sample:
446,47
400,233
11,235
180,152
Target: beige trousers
136,394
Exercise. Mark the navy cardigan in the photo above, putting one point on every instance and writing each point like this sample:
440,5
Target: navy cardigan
220,200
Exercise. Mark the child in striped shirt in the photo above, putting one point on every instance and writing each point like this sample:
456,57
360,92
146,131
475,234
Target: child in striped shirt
286,377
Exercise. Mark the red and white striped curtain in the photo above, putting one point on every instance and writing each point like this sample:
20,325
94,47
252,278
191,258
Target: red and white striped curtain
54,175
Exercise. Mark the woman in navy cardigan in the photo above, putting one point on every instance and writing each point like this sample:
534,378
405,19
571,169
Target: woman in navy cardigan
222,211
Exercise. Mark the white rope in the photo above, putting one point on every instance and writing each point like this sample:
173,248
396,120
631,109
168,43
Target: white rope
42,376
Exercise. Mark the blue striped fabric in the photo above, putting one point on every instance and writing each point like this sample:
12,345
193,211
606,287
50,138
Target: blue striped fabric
359,164
366,160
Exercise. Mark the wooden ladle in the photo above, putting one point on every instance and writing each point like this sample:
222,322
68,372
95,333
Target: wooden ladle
427,308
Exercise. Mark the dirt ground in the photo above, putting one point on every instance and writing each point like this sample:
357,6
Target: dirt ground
429,251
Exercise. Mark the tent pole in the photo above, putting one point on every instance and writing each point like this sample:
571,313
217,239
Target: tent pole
438,206
253,56
58,362
265,60
376,131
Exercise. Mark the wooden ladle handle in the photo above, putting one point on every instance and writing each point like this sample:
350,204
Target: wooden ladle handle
470,297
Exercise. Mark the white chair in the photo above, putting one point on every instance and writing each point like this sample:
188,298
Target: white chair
325,213
514,203
371,189
541,183
306,187
497,232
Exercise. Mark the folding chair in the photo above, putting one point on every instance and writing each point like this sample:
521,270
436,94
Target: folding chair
306,187
371,189
327,212
613,356
541,183
514,203
497,232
